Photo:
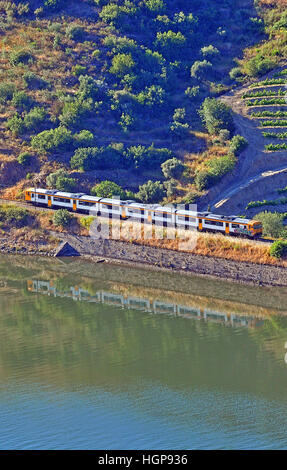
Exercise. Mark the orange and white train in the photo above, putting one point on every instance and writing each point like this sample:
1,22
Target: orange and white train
145,213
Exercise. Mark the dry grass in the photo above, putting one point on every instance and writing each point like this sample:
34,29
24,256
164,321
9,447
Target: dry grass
206,244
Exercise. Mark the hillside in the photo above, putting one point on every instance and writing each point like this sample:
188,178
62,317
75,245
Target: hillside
110,90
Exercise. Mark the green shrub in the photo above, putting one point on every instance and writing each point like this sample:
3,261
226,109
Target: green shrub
24,158
62,218
74,111
278,249
235,73
61,181
54,5
147,158
14,216
33,81
6,92
171,187
86,222
21,101
16,125
85,158
272,223
224,135
79,70
108,189
203,179
209,51
258,66
20,57
84,138
54,139
35,118
238,144
122,64
219,166
75,32
192,92
172,168
200,69
216,115
151,192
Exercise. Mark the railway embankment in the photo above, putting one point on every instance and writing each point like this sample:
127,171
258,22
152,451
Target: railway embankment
178,261
151,257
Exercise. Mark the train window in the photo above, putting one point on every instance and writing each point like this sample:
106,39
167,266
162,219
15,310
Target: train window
213,222
41,196
107,206
86,203
61,199
137,211
234,225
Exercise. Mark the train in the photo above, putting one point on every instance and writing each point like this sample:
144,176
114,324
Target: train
145,213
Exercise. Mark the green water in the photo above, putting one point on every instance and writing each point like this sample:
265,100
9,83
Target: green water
106,357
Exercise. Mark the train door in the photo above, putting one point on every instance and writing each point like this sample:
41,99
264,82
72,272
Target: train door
200,225
74,204
49,201
227,228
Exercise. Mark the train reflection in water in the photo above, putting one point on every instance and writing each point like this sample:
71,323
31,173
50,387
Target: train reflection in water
151,306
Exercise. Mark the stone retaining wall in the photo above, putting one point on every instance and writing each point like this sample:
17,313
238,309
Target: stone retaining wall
181,261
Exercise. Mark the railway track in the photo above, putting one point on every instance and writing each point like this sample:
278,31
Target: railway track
38,208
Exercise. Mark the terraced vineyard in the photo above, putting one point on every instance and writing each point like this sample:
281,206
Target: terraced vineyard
260,111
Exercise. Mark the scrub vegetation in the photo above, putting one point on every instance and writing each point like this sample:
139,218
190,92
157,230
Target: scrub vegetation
113,89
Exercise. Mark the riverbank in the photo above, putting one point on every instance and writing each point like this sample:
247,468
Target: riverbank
121,252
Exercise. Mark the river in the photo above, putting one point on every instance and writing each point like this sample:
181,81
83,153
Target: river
94,356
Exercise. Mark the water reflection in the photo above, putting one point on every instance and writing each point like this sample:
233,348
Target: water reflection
95,356
194,311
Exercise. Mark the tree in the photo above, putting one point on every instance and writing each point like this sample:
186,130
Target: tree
172,168
209,51
170,43
53,139
216,115
200,69
272,223
150,192
108,189
60,180
62,218
278,249
122,64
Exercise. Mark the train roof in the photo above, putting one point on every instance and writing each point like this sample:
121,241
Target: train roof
111,201
86,197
